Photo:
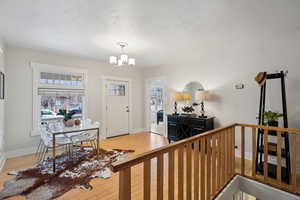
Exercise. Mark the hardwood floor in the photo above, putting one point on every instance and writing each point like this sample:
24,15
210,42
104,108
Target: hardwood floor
107,189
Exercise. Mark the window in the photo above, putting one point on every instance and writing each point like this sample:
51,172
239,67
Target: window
114,89
57,90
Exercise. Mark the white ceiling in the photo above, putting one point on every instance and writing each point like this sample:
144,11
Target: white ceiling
159,32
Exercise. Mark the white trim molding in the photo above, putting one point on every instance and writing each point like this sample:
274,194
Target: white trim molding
2,161
107,78
147,104
20,152
39,67
138,130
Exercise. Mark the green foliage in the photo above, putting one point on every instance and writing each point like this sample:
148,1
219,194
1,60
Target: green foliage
67,115
272,116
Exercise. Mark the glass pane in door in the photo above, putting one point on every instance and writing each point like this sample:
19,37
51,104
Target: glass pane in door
157,110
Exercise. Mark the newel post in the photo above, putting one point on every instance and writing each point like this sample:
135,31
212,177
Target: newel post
125,184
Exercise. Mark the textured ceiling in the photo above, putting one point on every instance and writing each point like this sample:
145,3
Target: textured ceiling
159,32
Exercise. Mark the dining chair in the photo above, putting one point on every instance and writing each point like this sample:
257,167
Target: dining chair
89,137
46,144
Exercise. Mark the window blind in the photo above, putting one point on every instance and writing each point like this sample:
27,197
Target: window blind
60,92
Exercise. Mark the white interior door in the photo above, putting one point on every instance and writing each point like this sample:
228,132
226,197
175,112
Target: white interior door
117,107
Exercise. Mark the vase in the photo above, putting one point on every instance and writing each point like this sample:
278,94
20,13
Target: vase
69,123
273,123
77,122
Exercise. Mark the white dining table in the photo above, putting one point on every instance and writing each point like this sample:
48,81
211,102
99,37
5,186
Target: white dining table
84,126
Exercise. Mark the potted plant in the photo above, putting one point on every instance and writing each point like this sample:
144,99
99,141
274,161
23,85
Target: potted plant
68,121
271,118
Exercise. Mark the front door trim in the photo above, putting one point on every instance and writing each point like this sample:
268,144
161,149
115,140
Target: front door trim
147,105
104,116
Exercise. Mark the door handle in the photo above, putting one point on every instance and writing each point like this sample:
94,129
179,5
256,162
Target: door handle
127,110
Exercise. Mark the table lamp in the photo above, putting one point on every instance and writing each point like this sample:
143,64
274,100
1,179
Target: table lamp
177,96
202,96
186,96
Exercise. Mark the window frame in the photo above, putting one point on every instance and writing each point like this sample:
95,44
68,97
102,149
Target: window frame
37,68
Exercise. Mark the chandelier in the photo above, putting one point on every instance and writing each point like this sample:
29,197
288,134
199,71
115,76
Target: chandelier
123,59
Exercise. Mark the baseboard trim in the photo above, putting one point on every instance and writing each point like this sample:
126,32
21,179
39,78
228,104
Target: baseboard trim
137,130
2,161
20,152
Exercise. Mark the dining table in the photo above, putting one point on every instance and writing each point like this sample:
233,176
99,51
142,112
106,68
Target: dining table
83,127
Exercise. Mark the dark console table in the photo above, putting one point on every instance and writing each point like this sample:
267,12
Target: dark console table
184,126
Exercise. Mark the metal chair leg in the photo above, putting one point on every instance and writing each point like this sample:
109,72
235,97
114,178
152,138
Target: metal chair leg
42,153
38,148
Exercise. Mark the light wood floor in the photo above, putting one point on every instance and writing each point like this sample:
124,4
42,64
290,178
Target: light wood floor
107,189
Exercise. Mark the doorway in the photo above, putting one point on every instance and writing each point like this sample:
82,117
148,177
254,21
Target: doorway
116,107
155,98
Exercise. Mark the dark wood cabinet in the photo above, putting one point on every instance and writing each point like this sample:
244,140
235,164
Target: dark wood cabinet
184,126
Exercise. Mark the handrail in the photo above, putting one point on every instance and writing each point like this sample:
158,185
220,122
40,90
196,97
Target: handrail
117,166
272,128
213,155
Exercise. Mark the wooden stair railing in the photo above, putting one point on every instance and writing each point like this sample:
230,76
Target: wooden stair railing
200,167
277,179
204,164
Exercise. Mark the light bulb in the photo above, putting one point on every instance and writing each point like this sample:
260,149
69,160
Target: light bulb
113,60
120,63
124,58
131,61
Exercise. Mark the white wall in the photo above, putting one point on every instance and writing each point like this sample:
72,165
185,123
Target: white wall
1,109
19,92
237,63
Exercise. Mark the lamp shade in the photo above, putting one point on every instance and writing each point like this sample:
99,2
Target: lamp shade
177,96
131,61
202,95
124,58
186,96
113,60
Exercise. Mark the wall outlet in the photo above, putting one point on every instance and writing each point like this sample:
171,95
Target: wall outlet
239,86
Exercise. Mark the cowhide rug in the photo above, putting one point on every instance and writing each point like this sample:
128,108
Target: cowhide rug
39,182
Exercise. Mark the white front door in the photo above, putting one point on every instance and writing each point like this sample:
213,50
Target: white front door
117,107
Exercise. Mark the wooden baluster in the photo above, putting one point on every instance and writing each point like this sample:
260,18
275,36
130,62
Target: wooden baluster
196,170
147,180
208,167
213,165
188,171
171,176
243,150
266,152
229,153
233,150
202,164
160,176
254,152
219,161
294,161
125,184
223,158
226,154
180,172
279,158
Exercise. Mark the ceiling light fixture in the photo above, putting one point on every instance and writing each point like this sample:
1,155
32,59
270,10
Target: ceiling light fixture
123,59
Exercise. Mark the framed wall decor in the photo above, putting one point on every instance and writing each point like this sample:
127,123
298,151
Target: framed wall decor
2,85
